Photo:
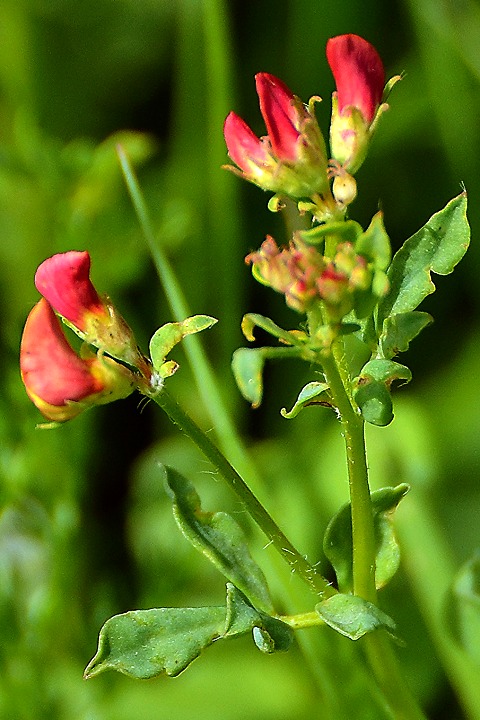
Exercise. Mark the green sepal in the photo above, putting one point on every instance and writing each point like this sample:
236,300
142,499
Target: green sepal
437,247
169,335
338,543
146,643
374,244
219,537
353,617
347,231
371,389
464,608
400,329
253,320
311,394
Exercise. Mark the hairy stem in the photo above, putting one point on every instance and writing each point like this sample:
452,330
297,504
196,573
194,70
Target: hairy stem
290,554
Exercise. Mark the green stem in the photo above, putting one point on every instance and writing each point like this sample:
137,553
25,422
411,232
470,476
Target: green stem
377,645
363,533
290,554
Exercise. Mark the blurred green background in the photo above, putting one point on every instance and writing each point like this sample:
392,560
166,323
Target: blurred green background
85,526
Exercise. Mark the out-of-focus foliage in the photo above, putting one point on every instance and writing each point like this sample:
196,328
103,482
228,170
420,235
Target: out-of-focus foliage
86,530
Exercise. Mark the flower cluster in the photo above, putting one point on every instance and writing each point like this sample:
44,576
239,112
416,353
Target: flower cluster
60,382
305,276
291,160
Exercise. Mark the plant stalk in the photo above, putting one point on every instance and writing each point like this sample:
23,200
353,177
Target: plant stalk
377,645
290,554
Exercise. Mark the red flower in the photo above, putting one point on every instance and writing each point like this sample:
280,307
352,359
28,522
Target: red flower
59,382
291,159
358,72
64,280
356,105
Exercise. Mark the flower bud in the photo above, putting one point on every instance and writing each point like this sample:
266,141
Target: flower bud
64,281
292,271
360,79
291,159
59,382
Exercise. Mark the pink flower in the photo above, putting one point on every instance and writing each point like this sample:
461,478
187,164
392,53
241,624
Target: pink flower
358,72
59,382
64,280
291,159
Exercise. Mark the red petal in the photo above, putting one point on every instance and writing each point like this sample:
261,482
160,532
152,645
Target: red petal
50,368
244,147
277,105
358,72
64,281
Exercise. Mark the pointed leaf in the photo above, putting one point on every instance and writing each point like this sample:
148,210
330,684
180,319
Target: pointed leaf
399,330
338,544
437,247
170,334
374,244
219,537
309,395
353,617
147,643
371,389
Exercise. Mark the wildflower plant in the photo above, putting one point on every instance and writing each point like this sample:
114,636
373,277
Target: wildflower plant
357,311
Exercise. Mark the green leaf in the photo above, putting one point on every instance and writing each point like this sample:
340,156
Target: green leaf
309,395
252,320
400,329
147,643
247,367
464,607
171,334
338,544
353,617
269,633
219,537
437,247
374,244
371,389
